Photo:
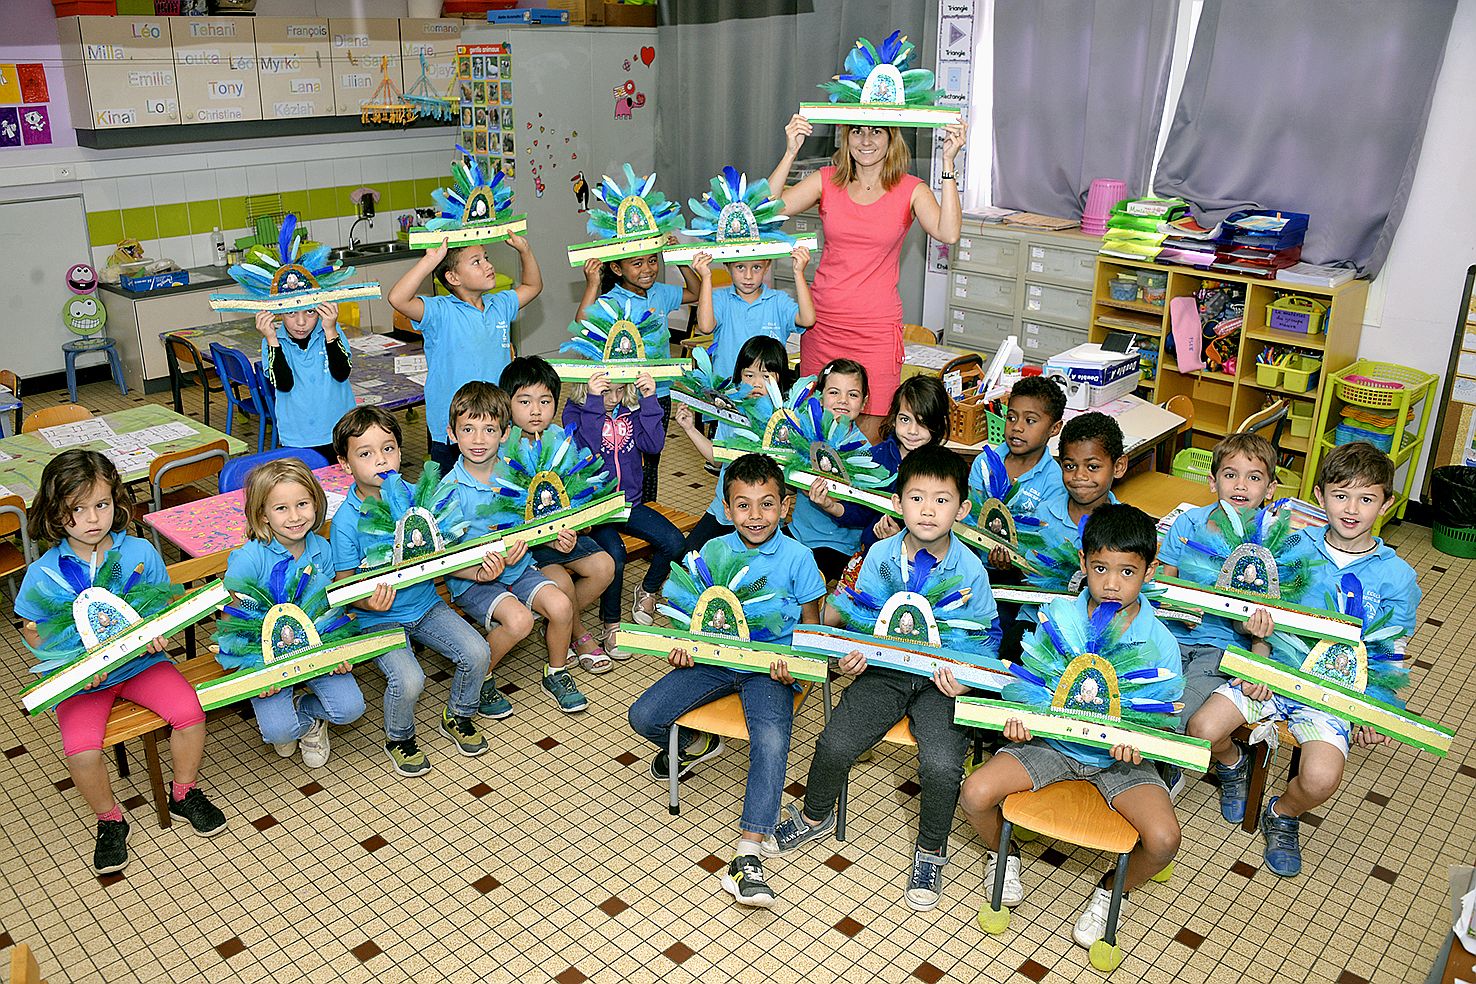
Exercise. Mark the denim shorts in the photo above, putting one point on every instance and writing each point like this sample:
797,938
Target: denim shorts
546,553
1046,764
480,601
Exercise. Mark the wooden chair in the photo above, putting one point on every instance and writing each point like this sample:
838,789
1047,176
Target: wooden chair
12,382
184,358
919,334
723,717
66,413
1260,768
23,966
172,477
1182,405
1273,416
636,549
12,520
1071,811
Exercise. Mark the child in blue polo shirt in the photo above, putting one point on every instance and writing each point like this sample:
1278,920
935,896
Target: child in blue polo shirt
1117,554
1355,485
468,334
777,568
284,507
824,524
307,362
749,307
367,442
1036,405
501,593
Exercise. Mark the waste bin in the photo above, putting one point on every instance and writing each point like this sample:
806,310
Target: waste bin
1453,509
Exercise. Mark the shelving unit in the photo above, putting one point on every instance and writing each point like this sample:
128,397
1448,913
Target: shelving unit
1222,401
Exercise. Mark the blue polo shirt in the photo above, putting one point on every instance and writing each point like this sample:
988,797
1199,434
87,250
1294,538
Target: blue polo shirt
1059,531
1389,583
252,563
1031,489
463,344
788,569
660,299
410,604
959,562
39,586
473,495
771,314
1158,650
307,412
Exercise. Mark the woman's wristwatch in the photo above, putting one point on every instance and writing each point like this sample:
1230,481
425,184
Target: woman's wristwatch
947,176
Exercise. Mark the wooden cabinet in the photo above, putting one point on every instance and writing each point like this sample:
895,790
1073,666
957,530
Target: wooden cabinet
294,68
357,49
215,69
119,71
136,323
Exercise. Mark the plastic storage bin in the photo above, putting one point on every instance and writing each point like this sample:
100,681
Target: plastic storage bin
1300,418
1123,288
1300,373
1296,313
1379,384
1267,375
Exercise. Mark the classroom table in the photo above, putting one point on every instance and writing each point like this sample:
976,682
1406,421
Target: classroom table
1158,494
208,526
1144,425
374,378
23,457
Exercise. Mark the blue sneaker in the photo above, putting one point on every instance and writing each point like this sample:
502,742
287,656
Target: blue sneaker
559,686
1173,778
1283,842
494,703
794,831
1234,786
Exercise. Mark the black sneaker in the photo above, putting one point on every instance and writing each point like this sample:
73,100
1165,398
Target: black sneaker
111,853
701,749
202,814
744,881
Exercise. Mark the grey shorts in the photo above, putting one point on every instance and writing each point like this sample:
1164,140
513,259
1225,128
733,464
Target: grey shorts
1202,677
479,602
1046,764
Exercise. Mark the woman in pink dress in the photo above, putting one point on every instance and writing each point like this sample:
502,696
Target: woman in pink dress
867,203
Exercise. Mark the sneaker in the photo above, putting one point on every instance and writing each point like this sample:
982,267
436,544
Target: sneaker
202,814
638,613
925,883
463,734
1014,892
409,760
1234,786
744,880
794,831
1173,778
560,688
286,749
1283,842
493,703
314,745
699,750
1091,925
111,853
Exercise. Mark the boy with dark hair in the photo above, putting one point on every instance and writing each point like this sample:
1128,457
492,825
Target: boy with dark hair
1036,405
780,574
1118,550
932,494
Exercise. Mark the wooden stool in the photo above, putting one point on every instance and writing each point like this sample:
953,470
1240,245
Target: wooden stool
1260,765
1075,812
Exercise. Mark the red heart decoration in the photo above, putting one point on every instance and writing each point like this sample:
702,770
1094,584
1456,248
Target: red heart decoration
573,157
648,54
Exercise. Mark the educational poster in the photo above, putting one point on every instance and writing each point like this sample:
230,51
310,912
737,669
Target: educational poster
215,69
484,73
25,119
294,67
953,74
363,52
128,63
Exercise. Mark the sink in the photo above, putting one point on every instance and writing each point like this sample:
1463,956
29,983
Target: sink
339,253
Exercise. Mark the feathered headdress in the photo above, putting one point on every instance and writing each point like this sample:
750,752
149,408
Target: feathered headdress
475,210
405,522
1082,665
635,221
612,332
720,598
700,386
295,281
833,447
737,220
1374,666
990,509
876,87
542,477
81,610
276,619
914,606
1252,550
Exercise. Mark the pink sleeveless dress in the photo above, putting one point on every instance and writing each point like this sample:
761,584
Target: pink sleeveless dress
858,312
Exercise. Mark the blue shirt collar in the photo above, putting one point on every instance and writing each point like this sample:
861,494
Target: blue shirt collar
1319,537
464,477
768,548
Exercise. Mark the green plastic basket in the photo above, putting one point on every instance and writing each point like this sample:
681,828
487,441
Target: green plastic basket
1194,464
1454,541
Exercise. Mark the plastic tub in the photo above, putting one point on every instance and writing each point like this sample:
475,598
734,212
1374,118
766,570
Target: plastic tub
1267,375
1123,289
1300,419
1454,541
1300,373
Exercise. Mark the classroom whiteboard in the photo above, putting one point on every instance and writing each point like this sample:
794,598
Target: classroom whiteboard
42,237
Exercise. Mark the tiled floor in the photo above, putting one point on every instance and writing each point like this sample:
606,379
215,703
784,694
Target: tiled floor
554,858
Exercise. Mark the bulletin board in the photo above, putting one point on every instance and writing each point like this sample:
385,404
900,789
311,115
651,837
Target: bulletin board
25,111
1455,426
484,73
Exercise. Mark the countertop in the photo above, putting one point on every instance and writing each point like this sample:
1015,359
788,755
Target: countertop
215,278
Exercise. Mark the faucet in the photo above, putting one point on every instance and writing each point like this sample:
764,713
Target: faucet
353,240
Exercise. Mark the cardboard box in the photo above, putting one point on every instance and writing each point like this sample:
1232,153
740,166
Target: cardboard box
589,13
1093,365
630,14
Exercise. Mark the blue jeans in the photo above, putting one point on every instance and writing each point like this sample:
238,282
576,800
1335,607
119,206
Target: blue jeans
454,638
768,709
666,546
334,698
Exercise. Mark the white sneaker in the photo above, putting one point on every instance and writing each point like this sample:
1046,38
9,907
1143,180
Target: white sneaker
1014,892
1091,925
314,745
286,749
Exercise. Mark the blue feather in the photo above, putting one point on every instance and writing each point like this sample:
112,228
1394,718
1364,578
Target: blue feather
77,576
1101,619
277,580
1350,595
285,237
1153,706
1026,675
922,568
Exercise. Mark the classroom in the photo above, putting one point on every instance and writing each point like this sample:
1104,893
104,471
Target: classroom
1017,457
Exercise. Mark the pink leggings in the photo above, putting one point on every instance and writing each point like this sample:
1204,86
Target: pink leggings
83,718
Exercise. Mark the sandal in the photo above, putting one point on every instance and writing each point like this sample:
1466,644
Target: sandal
608,641
594,661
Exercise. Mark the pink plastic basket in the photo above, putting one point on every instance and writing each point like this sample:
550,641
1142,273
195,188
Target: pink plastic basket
1103,194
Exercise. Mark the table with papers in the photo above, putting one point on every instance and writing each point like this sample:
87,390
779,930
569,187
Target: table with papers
208,526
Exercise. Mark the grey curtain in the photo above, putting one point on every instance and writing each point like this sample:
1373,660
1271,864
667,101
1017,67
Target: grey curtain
1078,94
1312,107
734,71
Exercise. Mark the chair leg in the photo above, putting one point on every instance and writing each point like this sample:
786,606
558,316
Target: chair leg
673,768
72,375
1256,789
996,891
156,778
840,807
121,754
1114,908
117,366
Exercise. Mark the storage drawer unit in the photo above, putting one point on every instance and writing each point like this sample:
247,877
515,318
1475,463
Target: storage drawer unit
1041,340
979,330
987,254
979,290
1060,265
1059,305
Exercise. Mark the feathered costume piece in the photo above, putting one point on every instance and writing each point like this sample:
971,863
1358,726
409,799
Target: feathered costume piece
771,419
1374,667
737,221
474,210
405,522
540,478
991,509
276,620
1253,550
720,598
880,74
1082,665
701,387
90,608
833,447
912,607
635,220
612,332
295,281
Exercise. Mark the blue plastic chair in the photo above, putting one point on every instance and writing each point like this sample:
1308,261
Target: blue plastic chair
233,475
236,373
269,400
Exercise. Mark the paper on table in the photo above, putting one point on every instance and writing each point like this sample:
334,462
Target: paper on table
157,434
417,378
927,356
4,456
77,432
374,344
335,499
406,364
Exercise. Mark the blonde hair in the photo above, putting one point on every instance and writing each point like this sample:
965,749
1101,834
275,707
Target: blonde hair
894,165
265,477
579,392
